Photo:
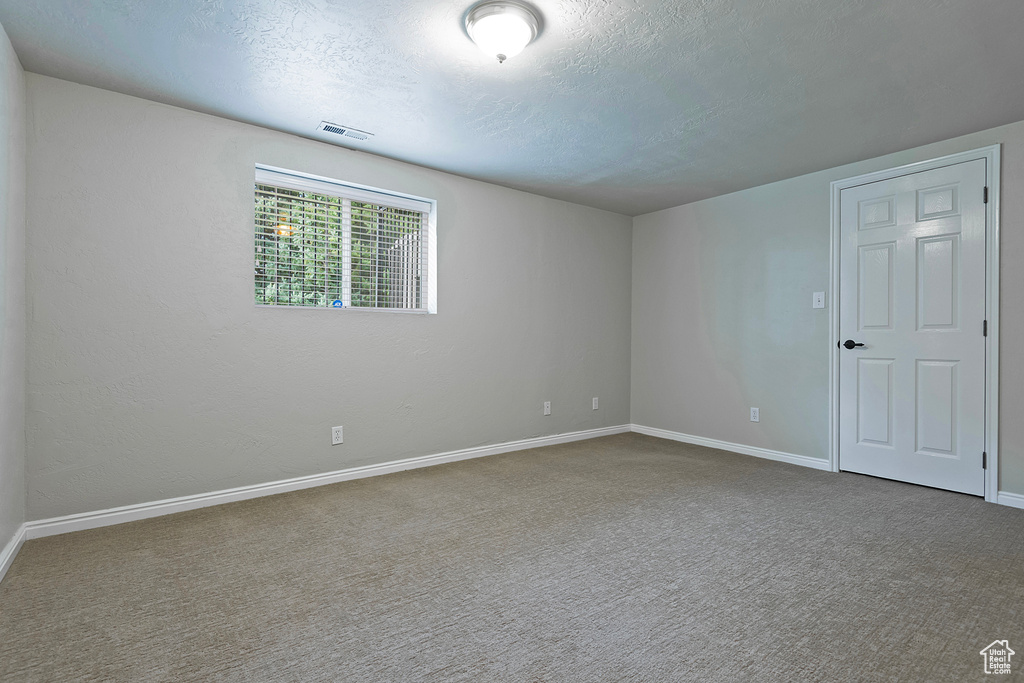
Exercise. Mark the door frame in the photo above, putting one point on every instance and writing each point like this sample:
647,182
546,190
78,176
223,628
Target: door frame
991,156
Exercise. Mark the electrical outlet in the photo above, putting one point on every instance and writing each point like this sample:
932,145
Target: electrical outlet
595,403
547,407
755,414
337,436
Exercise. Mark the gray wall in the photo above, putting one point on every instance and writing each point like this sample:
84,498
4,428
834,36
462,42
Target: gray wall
12,292
722,317
151,374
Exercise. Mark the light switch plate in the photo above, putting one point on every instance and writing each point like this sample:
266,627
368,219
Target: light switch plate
819,300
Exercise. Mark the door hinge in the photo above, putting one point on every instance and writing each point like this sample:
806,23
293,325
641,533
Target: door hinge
984,460
986,194
984,328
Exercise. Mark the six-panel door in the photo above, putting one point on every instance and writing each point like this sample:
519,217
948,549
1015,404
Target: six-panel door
912,399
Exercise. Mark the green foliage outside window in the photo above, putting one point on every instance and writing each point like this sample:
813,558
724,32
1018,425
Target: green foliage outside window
300,251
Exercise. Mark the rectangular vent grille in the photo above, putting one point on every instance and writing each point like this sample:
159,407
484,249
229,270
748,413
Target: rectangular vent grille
344,131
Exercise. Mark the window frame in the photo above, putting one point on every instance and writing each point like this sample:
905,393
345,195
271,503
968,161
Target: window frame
348,192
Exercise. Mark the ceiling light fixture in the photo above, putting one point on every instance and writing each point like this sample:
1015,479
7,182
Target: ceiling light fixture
502,28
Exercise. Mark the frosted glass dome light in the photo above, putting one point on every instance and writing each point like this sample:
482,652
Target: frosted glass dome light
502,28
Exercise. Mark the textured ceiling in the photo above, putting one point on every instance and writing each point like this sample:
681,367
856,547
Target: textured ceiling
628,105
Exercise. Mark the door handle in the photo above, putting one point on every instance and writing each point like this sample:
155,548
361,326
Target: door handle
849,343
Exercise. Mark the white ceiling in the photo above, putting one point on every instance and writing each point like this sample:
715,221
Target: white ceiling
627,105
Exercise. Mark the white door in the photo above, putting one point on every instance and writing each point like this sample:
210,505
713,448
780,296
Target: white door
912,269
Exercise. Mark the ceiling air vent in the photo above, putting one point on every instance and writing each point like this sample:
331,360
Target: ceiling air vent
344,131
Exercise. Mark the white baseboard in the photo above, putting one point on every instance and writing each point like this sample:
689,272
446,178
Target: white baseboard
1014,500
130,513
792,458
10,551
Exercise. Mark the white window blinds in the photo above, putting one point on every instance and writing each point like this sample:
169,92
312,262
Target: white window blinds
324,243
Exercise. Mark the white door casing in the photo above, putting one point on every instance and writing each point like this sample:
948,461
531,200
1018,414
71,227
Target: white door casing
913,291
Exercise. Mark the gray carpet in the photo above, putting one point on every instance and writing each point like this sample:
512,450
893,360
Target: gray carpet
622,558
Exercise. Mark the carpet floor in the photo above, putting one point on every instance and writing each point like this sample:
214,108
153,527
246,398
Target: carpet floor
626,558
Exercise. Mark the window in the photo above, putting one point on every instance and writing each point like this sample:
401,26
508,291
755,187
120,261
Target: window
325,243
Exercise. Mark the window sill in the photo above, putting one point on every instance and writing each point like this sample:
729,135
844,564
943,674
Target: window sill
366,309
